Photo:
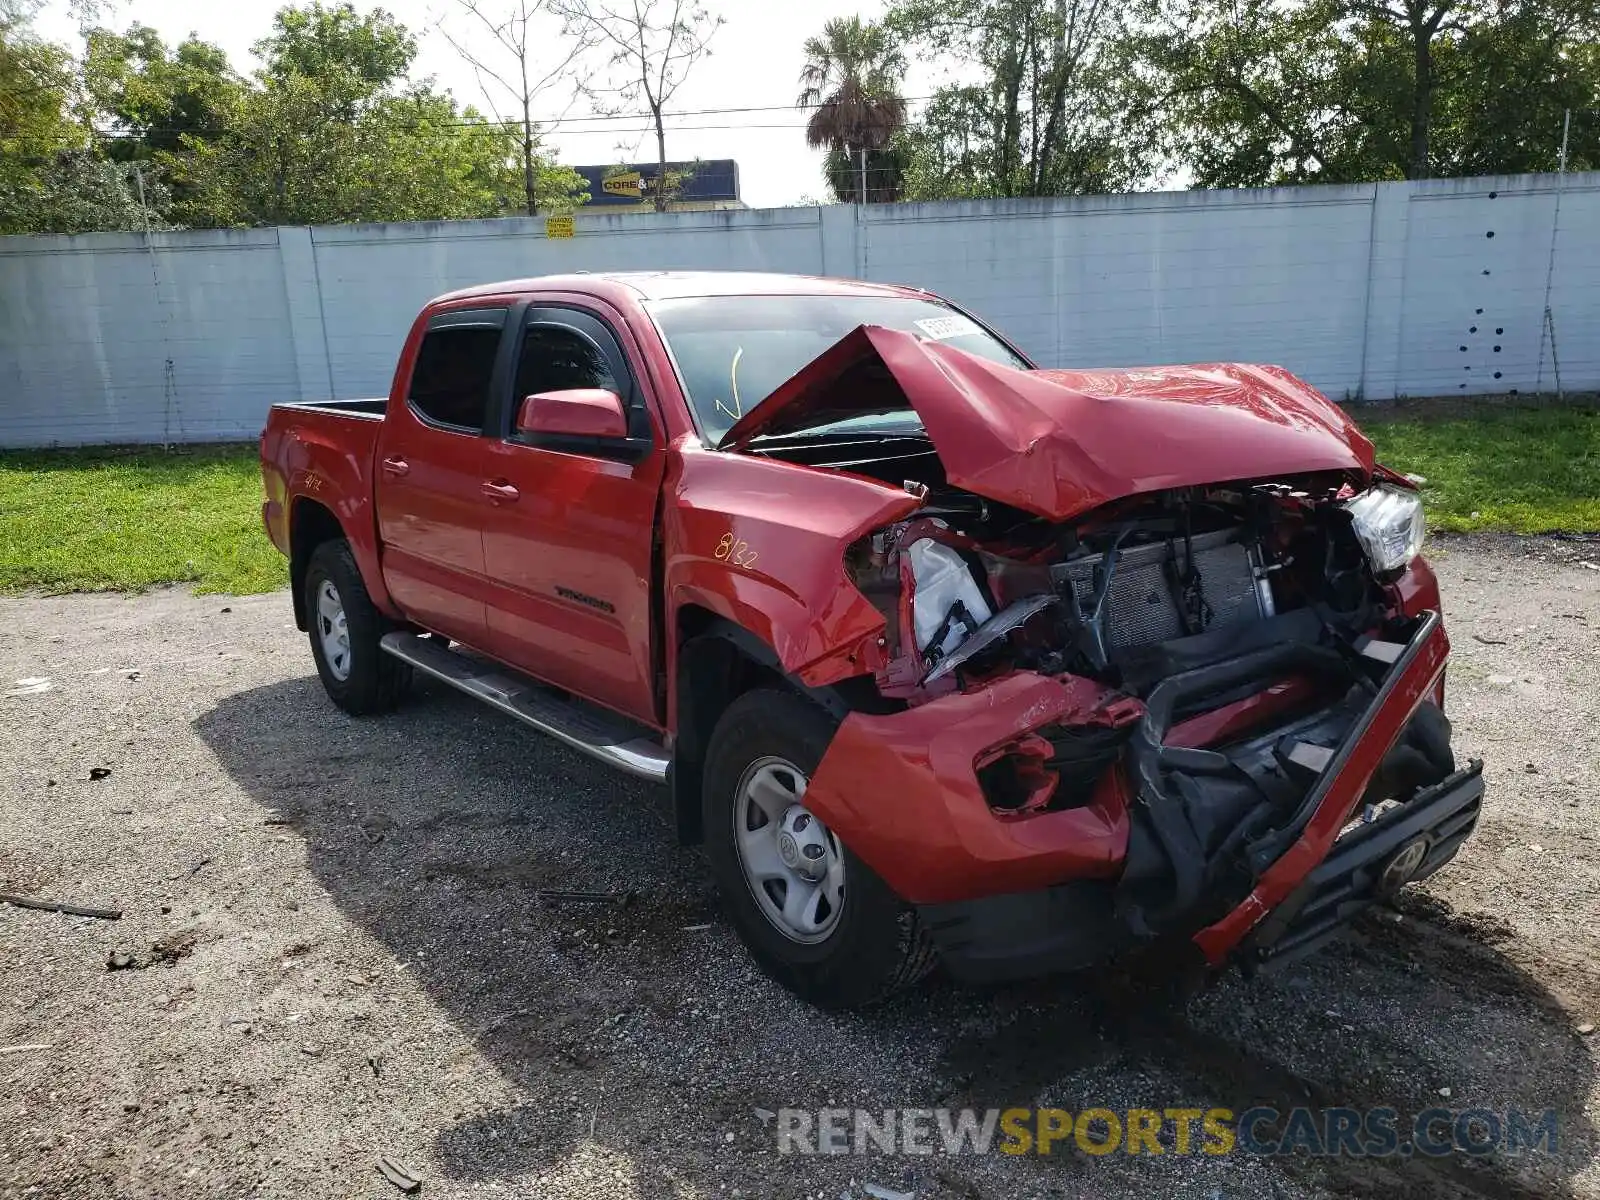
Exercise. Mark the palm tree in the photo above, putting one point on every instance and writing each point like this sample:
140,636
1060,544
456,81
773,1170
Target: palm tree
852,79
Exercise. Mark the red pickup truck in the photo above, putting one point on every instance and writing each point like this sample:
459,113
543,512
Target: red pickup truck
945,658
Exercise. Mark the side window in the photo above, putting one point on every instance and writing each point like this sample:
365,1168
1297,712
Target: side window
556,359
450,382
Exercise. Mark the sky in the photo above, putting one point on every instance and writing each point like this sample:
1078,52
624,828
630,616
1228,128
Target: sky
755,63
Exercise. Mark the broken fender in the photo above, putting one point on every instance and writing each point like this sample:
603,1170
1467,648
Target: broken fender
762,545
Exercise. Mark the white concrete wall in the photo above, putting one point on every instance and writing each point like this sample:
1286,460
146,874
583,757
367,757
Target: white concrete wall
1366,290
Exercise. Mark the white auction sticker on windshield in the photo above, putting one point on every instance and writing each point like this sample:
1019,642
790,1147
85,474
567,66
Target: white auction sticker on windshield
939,329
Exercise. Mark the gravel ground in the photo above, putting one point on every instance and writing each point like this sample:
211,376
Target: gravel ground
340,950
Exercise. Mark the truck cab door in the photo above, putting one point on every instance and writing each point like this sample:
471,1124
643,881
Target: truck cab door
429,471
568,547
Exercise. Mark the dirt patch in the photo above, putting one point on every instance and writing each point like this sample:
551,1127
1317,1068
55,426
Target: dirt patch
372,942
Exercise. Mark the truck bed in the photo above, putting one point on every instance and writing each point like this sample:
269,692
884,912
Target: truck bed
372,408
322,449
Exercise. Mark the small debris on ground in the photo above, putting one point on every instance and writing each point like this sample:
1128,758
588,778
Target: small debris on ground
398,1175
96,773
60,906
174,946
1488,641
580,897
120,960
883,1193
1586,1028
46,1046
696,928
1445,1092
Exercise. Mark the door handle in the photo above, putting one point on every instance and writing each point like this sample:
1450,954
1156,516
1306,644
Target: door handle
396,466
500,492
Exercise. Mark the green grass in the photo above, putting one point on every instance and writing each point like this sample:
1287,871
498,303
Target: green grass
98,520
1506,470
123,519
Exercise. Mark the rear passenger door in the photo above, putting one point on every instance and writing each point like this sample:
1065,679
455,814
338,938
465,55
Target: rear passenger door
430,471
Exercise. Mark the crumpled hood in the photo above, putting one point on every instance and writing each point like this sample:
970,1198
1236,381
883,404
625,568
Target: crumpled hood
1060,443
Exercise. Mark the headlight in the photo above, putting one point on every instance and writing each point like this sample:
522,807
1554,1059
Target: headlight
1388,524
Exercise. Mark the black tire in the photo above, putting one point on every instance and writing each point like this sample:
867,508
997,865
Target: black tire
375,682
877,945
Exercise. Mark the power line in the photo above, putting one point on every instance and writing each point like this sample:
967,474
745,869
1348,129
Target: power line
544,127
115,135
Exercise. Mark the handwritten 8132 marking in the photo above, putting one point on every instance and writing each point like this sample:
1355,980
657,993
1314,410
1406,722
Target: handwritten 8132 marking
736,552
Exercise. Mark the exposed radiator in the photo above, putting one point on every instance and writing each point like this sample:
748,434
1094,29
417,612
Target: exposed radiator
1141,608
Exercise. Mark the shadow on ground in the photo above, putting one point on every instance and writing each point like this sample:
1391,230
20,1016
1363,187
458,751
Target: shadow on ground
630,1027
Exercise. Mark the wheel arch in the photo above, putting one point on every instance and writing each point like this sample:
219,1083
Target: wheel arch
310,525
717,662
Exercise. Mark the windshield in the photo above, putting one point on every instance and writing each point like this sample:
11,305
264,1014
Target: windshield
732,352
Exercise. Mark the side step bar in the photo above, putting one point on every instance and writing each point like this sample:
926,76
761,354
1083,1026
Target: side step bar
581,726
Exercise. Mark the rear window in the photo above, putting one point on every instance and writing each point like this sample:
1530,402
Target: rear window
450,382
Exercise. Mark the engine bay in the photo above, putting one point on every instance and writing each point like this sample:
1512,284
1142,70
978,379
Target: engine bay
971,588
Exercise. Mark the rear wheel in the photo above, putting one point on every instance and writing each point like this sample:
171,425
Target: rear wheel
815,917
345,628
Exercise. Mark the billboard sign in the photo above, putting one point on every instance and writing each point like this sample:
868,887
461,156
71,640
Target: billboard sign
631,184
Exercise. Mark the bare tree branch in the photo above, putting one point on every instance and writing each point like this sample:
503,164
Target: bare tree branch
650,53
530,66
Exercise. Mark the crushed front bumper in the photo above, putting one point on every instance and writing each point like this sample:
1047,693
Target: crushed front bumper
1073,925
1369,863
1010,895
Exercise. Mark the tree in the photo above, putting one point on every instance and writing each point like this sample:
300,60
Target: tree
50,180
315,42
1257,92
143,101
331,131
651,46
851,80
1047,116
152,96
518,33
885,173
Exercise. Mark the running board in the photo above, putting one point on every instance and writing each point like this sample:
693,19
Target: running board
592,731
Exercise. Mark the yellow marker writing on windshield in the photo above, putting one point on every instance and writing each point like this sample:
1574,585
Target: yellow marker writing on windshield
733,380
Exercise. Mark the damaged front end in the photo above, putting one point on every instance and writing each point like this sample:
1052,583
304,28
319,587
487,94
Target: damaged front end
1163,717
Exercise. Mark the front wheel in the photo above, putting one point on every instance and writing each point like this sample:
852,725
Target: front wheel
815,917
345,629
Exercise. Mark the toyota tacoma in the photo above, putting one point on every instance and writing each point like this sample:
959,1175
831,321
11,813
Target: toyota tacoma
945,658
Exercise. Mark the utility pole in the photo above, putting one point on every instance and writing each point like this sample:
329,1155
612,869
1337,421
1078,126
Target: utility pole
863,174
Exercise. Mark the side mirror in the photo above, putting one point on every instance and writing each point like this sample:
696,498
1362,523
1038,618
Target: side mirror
575,412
